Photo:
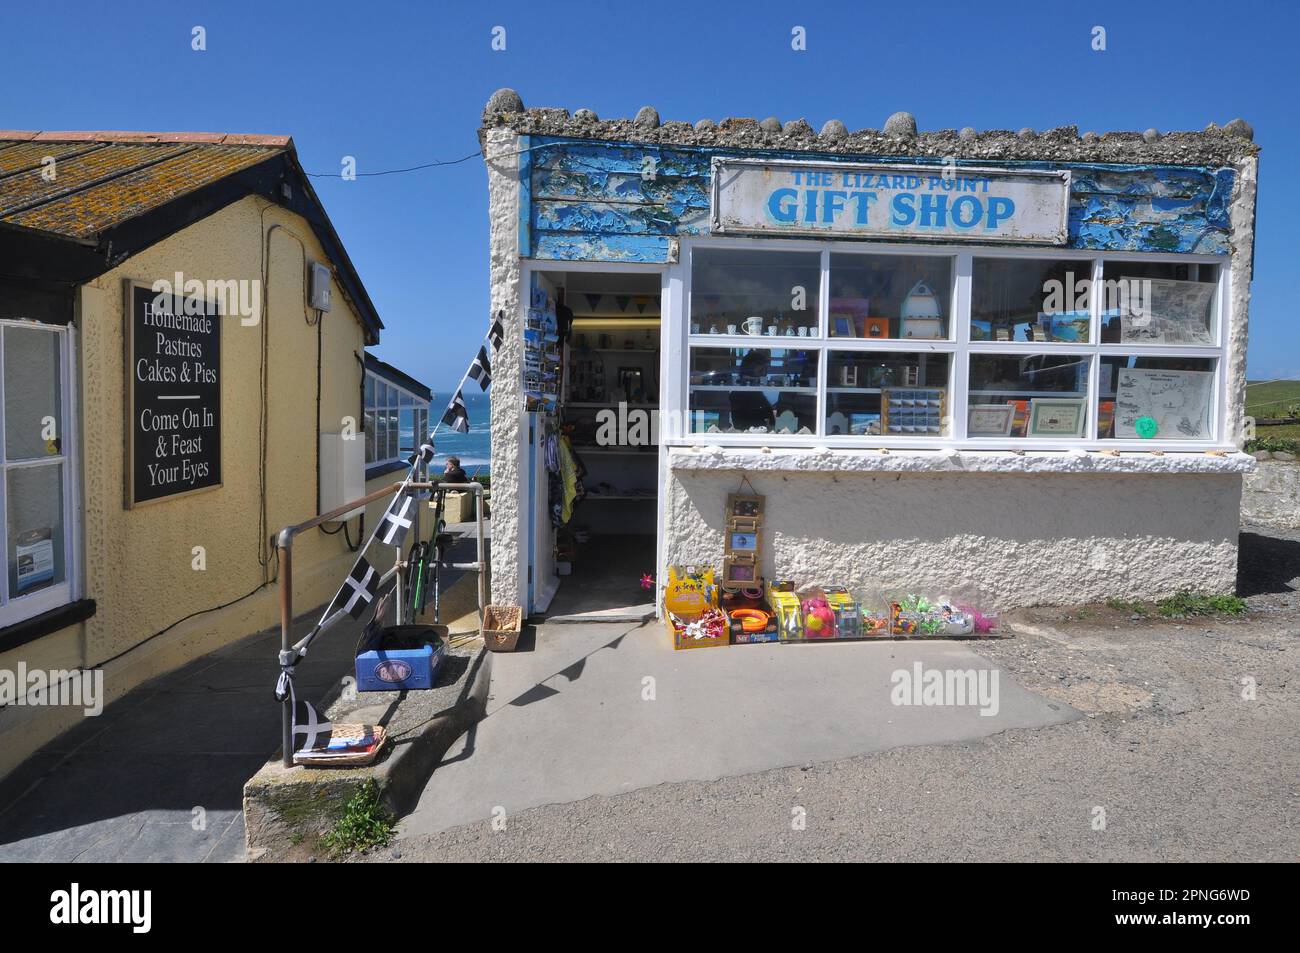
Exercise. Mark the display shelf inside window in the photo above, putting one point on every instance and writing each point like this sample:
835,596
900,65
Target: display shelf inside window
759,293
1031,300
753,390
884,297
1155,398
1040,395
1167,304
856,382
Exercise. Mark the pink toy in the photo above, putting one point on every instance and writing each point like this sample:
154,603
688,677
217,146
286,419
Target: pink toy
818,618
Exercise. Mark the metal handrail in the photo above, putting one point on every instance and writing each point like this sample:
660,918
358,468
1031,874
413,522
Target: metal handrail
284,546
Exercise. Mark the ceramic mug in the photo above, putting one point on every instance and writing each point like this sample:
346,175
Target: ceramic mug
731,329
771,331
754,325
803,332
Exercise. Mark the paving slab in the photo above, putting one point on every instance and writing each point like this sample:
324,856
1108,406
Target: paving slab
606,709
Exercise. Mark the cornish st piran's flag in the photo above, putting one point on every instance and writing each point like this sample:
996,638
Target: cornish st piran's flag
358,590
481,369
397,520
497,333
423,455
456,416
315,730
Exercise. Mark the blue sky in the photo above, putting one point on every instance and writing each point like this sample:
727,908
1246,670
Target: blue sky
397,84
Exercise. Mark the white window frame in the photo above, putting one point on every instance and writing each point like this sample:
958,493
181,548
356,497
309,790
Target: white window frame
372,408
958,344
18,608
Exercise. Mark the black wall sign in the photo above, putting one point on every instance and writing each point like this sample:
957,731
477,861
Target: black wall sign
173,349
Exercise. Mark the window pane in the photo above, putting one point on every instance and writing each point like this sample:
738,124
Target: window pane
1029,395
754,292
406,434
1030,299
892,392
35,530
1155,398
405,400
370,390
890,296
758,390
1158,303
392,434
32,387
370,425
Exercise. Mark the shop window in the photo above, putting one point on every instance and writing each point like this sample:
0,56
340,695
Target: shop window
1155,398
762,293
1031,300
1045,356
899,393
1028,395
1159,303
753,390
879,297
34,471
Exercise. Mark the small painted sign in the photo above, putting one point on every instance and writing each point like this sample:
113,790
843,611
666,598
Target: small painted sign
890,201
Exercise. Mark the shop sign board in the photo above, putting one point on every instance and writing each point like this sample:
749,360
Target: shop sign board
173,394
837,200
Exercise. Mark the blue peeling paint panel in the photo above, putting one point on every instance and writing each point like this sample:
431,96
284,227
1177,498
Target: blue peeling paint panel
618,201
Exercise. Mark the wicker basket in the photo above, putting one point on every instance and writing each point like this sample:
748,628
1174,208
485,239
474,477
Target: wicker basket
501,626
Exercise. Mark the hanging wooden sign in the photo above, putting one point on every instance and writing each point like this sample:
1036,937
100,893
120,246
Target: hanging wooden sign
173,395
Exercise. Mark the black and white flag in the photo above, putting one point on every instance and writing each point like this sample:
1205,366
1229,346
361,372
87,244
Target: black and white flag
481,369
456,416
397,519
497,333
358,590
423,455
315,731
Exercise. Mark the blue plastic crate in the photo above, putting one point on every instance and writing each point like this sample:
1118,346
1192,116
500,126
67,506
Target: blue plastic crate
400,657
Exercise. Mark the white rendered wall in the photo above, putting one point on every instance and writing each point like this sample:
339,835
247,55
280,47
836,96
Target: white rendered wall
509,446
998,538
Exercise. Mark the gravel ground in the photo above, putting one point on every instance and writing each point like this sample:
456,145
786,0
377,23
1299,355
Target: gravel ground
1183,767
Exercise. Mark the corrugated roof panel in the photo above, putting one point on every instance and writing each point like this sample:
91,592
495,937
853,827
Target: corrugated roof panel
21,156
83,214
27,189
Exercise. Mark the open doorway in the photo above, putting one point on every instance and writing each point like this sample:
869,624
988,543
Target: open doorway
601,503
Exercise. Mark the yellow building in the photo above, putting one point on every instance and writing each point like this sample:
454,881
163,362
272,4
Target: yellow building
182,372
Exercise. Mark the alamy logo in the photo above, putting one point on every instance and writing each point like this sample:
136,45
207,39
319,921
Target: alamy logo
77,906
242,297
38,688
946,688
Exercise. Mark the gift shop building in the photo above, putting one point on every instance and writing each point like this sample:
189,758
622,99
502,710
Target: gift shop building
1007,366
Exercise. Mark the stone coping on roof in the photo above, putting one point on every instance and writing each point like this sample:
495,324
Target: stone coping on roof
1215,145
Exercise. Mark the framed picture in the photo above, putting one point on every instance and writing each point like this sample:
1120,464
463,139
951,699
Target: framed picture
842,326
750,507
990,420
1057,416
739,571
742,542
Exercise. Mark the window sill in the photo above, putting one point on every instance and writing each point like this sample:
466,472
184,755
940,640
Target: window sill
38,626
376,470
824,460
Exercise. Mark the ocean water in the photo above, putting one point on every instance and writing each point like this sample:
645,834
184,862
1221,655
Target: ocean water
473,448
